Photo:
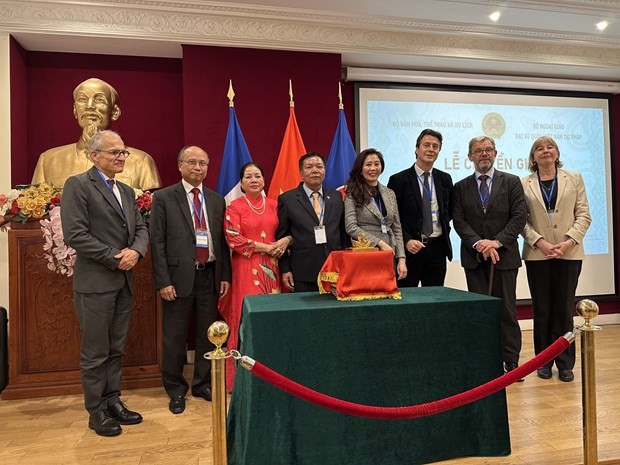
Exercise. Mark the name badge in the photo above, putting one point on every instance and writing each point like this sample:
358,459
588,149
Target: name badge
384,229
202,238
434,216
320,236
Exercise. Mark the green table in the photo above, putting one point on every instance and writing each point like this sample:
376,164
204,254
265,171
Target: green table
433,343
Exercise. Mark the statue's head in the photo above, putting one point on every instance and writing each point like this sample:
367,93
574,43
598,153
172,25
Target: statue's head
95,102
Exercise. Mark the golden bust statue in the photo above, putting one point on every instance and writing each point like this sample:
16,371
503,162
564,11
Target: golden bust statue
95,106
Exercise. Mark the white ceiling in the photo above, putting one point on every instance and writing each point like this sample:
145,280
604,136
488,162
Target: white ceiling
549,38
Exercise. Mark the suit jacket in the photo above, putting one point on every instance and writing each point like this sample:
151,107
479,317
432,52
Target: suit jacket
368,218
571,218
173,239
297,219
407,189
96,227
504,219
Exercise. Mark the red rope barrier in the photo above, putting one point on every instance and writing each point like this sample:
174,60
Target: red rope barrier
415,411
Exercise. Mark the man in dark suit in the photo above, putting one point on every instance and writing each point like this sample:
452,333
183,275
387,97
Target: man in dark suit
191,266
489,214
101,222
313,215
423,196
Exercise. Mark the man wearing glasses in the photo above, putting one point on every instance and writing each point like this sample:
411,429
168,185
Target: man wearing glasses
191,267
489,214
101,222
95,107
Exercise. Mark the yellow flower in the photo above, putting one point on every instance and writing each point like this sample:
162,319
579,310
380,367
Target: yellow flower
256,283
38,213
254,271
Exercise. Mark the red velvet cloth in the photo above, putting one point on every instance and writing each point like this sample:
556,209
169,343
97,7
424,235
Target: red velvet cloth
355,275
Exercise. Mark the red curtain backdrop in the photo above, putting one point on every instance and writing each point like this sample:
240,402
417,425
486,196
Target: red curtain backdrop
150,91
261,83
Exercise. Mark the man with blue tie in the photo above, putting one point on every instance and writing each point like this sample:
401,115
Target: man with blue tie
489,214
423,195
101,222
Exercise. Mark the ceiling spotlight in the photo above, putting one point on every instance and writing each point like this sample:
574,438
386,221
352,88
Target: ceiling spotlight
495,16
602,25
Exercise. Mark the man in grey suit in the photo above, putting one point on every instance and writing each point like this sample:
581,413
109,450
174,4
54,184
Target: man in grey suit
101,222
191,266
489,214
313,215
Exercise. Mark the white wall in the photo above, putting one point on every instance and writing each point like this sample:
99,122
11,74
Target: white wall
5,159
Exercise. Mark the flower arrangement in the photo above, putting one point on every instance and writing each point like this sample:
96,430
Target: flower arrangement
28,202
144,202
34,202
60,257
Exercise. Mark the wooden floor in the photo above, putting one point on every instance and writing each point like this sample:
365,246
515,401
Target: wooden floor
545,424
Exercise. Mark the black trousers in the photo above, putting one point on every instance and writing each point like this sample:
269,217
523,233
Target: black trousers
504,286
428,266
553,284
177,315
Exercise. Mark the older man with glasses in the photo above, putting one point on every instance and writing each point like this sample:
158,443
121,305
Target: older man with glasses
489,214
191,267
101,222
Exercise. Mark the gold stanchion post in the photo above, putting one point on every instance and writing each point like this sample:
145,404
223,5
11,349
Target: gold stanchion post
588,309
217,334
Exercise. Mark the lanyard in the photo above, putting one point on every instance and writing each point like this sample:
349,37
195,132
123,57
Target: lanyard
432,185
378,205
198,215
486,197
111,191
548,195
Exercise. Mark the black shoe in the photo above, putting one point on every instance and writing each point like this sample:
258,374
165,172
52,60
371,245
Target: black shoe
567,376
104,424
177,404
205,393
509,366
123,415
544,372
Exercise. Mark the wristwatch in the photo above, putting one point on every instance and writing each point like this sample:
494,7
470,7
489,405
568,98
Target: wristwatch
499,243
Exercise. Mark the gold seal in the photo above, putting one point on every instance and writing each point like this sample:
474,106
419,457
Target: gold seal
493,125
362,244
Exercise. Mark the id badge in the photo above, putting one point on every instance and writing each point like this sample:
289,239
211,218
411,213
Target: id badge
320,236
202,238
384,229
434,216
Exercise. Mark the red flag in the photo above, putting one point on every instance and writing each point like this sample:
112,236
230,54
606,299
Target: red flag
286,175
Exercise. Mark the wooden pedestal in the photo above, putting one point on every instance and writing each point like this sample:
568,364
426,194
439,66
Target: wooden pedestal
44,335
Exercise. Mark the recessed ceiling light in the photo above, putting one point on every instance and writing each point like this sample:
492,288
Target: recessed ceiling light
602,25
495,16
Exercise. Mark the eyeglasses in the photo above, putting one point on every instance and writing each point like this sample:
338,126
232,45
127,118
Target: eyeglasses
201,163
488,151
116,153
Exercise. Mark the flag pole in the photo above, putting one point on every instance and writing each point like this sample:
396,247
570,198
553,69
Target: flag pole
231,94
290,93
340,105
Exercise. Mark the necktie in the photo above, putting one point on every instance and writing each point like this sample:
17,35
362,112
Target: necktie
111,183
202,253
427,214
316,204
484,190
